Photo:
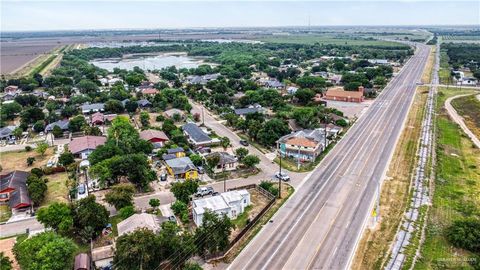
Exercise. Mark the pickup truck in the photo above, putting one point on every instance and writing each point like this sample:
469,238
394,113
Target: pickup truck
203,191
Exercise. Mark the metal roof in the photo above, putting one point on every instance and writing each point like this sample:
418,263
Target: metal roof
195,133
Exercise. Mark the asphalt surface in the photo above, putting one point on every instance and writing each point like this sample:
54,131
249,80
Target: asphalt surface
320,225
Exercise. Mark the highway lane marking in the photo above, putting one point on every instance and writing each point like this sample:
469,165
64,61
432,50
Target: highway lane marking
368,123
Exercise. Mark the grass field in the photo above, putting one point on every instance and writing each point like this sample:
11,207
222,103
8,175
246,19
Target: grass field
5,212
444,73
374,246
457,186
469,108
427,73
57,188
323,39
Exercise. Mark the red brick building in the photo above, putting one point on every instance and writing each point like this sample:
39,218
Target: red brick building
338,94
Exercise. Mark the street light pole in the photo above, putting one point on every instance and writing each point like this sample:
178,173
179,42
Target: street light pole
280,178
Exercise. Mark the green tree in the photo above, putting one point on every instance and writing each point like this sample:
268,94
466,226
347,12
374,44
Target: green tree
30,161
250,161
183,190
37,189
8,111
465,234
5,262
57,216
212,236
90,218
137,250
126,212
120,195
196,159
77,123
145,119
57,131
114,106
86,86
131,106
66,158
304,95
352,86
39,126
311,82
154,203
213,161
241,153
271,131
41,148
47,250
225,142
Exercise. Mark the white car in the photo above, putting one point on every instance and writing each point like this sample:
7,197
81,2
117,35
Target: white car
282,176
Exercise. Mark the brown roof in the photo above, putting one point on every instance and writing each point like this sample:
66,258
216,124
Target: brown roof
150,91
98,117
342,93
153,134
82,262
300,141
80,144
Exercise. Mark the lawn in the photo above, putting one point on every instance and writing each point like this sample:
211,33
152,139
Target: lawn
5,213
333,40
57,188
469,108
457,186
444,72
18,160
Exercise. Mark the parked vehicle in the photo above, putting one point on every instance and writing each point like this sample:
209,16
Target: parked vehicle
200,170
244,143
203,191
282,176
81,189
216,193
163,177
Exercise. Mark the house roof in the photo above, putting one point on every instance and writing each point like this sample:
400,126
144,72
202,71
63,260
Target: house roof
153,134
6,131
173,111
221,202
98,117
63,124
244,111
343,93
175,150
224,157
149,91
301,141
139,221
143,103
82,261
80,144
17,181
168,156
102,253
304,137
92,107
195,133
180,165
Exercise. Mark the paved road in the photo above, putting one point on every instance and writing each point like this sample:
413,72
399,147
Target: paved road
19,227
320,225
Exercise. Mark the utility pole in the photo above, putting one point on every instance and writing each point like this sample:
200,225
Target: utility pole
203,117
280,178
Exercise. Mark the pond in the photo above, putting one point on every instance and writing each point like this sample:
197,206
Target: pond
150,61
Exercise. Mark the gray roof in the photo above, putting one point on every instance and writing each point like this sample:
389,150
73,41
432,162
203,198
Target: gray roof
180,165
92,107
175,150
318,135
6,131
63,124
273,83
225,158
195,133
168,156
244,111
143,103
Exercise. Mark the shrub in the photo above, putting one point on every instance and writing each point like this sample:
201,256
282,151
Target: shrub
28,148
126,212
465,234
30,161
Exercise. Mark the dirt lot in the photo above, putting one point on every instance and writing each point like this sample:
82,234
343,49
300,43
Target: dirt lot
349,109
16,54
6,246
18,160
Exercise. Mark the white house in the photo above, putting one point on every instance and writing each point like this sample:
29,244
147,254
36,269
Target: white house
231,203
467,81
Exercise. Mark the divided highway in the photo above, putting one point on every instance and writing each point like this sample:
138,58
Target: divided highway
320,225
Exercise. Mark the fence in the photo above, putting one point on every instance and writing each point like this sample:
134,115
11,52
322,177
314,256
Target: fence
249,226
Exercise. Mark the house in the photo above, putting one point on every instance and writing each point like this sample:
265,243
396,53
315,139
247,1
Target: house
11,89
467,81
97,118
202,79
338,94
181,168
170,113
6,133
178,152
13,189
231,203
140,221
303,145
143,103
271,83
255,108
149,91
335,79
102,257
195,135
291,90
336,117
378,61
83,146
94,107
154,136
226,162
62,124
82,262
332,130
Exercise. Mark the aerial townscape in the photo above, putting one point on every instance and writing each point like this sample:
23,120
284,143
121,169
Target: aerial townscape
239,135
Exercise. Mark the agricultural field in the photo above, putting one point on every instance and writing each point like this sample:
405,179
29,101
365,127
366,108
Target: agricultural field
15,55
456,189
333,40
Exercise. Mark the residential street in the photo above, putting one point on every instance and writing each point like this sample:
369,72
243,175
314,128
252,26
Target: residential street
19,227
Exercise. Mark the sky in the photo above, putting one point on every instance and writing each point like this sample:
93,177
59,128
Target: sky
38,15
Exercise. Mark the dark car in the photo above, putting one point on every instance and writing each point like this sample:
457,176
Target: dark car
244,142
216,193
81,189
163,177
